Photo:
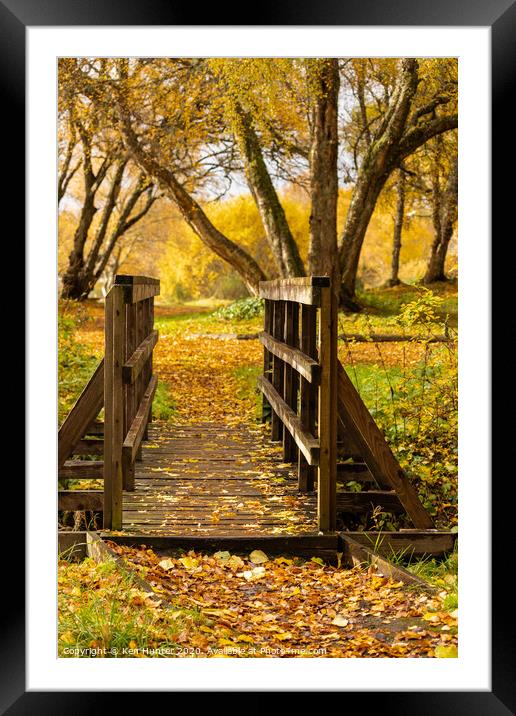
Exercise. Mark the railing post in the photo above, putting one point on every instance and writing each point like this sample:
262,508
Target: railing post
291,338
307,394
267,357
130,398
327,413
278,366
113,407
148,312
150,328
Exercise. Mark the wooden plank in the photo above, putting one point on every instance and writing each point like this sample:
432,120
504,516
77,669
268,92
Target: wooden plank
411,543
376,452
130,404
135,433
358,555
147,370
354,472
327,412
108,411
303,364
96,427
303,545
267,357
307,394
82,470
305,290
114,407
71,546
131,280
89,447
393,338
307,443
308,295
140,292
133,365
92,500
84,411
289,384
360,502
278,319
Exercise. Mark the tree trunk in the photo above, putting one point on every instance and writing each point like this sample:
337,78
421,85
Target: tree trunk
379,161
282,243
363,202
74,277
397,138
445,216
323,254
398,229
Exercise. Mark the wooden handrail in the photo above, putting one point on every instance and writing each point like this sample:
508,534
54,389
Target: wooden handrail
129,384
303,364
135,433
307,443
82,414
133,365
305,290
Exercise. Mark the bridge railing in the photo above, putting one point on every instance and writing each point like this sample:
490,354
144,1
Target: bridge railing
299,382
129,384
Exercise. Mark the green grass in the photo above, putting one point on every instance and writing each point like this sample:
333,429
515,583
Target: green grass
247,377
163,405
387,302
442,574
102,608
197,322
75,366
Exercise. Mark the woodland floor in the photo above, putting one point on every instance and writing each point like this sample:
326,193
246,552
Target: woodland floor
247,605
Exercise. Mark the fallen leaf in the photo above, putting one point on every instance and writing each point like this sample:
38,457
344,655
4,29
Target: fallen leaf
446,652
189,562
258,557
340,621
166,564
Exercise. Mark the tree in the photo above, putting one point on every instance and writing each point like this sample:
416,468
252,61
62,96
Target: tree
401,129
114,196
324,189
398,227
194,126
444,217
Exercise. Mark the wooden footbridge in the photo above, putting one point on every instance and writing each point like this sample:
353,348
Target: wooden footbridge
214,486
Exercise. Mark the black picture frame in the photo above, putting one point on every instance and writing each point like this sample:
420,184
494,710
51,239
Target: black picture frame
500,16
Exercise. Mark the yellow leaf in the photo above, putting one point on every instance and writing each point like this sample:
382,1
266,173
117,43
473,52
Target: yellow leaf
68,638
431,617
283,560
258,557
317,560
133,644
235,561
189,562
246,638
166,564
222,556
446,652
340,621
225,642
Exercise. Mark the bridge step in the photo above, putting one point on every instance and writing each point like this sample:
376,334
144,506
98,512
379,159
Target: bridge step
82,470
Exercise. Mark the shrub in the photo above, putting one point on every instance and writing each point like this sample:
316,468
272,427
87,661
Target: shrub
241,310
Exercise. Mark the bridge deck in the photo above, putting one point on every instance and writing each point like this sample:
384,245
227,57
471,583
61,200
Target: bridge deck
215,480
